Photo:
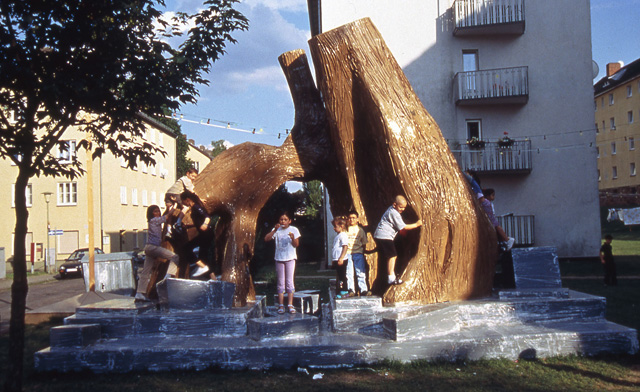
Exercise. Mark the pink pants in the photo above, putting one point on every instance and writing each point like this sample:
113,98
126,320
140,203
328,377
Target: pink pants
285,271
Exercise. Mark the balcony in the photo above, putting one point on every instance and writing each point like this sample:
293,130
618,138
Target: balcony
488,17
492,87
520,227
495,158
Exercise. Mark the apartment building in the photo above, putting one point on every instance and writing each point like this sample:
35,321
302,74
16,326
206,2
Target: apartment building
120,198
617,121
509,82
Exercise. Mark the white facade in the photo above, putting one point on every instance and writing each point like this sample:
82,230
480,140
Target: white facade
551,119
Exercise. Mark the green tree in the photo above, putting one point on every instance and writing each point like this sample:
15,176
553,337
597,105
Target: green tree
313,198
94,65
217,148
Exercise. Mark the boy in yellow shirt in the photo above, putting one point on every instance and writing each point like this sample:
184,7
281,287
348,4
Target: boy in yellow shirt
355,255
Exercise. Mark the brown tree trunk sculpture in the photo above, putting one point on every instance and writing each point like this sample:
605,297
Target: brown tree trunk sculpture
238,183
391,146
381,142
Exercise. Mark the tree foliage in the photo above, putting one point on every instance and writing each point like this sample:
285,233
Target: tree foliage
94,65
217,148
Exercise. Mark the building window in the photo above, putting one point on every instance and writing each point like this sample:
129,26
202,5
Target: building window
160,139
602,101
612,123
474,129
152,133
632,144
28,193
595,104
154,199
123,195
629,91
67,193
599,177
134,196
632,169
598,152
613,148
610,99
145,199
144,167
153,170
123,163
630,116
597,130
67,151
614,172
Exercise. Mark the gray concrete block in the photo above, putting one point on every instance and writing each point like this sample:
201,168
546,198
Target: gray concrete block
533,293
79,335
307,302
194,294
536,268
283,326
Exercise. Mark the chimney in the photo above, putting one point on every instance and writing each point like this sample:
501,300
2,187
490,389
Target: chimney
612,68
192,142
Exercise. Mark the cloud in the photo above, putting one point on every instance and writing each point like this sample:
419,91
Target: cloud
280,5
253,60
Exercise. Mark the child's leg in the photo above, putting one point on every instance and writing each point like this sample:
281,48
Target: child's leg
359,264
290,269
350,274
280,273
342,276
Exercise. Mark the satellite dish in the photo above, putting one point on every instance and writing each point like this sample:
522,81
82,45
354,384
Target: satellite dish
594,69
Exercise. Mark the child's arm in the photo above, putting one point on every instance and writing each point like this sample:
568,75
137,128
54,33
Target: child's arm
343,254
294,241
270,235
414,225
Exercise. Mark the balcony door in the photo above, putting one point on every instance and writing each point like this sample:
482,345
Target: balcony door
474,129
469,67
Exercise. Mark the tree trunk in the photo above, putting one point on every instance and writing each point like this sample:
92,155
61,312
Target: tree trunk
239,181
392,146
373,140
19,288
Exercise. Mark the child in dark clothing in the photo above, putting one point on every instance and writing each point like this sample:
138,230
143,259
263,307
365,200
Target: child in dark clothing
606,257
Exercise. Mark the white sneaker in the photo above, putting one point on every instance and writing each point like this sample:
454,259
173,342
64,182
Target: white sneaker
141,298
200,271
510,243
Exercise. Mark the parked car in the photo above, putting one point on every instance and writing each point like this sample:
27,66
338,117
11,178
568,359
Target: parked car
73,264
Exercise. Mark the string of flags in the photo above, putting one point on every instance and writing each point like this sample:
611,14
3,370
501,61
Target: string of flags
233,126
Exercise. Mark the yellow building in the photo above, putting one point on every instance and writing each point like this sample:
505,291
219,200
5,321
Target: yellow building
617,115
120,199
198,155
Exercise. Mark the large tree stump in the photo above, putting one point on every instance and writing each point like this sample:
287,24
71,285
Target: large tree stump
372,141
238,183
390,145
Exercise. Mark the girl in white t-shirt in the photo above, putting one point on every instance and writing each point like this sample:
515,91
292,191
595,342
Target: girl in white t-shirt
287,240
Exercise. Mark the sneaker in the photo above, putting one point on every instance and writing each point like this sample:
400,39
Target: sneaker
365,294
510,243
141,298
200,271
397,282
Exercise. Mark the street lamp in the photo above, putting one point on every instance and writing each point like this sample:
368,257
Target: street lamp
47,199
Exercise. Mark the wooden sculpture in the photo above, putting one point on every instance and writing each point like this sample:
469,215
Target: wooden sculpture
370,141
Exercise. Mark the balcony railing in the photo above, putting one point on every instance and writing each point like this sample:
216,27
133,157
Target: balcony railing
494,158
520,227
488,17
492,86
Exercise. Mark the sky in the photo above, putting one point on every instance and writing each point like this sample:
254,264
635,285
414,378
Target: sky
248,90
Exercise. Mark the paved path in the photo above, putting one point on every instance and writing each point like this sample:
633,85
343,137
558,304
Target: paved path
43,290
